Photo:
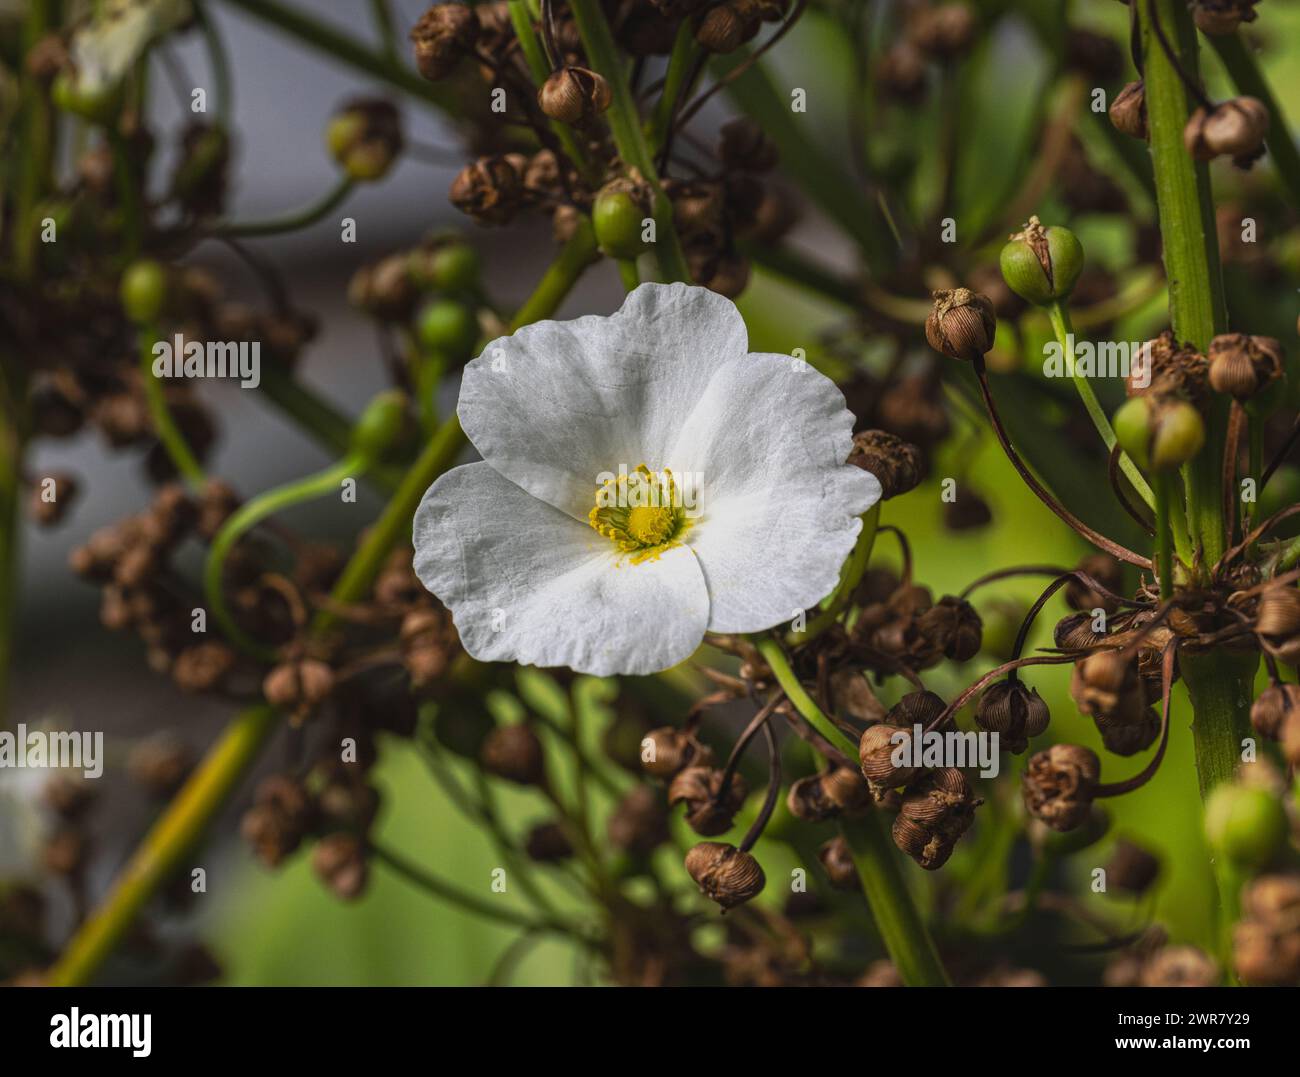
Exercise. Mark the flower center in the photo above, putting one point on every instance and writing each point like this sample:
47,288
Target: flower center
641,513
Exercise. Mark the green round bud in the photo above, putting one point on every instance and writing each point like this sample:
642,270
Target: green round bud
365,139
454,268
380,425
1132,423
1179,435
617,219
448,327
1246,825
99,106
1042,265
143,290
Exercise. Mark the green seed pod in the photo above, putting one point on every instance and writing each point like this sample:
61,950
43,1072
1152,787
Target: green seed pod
454,268
1132,423
617,216
1040,264
1159,433
450,328
365,139
380,425
143,290
1245,824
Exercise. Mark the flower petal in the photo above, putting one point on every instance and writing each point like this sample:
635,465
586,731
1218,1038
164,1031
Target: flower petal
558,403
779,508
525,583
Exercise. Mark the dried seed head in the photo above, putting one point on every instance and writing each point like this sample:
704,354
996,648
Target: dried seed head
1244,366
1264,956
894,462
915,708
724,873
1074,633
1219,17
1128,112
548,843
807,800
1015,712
952,626
299,686
1235,128
1059,784
667,750
514,753
1278,613
278,820
1273,708
340,863
1175,369
441,36
707,812
1132,868
876,751
490,190
1179,966
574,95
203,667
837,861
1273,899
727,26
962,324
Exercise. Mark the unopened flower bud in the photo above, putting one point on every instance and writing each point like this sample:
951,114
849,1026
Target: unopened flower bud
1245,825
1235,128
953,626
443,34
514,753
961,324
1128,112
709,811
724,873
143,290
727,26
1042,265
449,328
380,425
618,216
365,138
574,95
837,860
1014,711
1059,784
894,462
1160,433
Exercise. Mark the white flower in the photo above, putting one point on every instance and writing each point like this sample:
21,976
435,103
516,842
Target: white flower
734,511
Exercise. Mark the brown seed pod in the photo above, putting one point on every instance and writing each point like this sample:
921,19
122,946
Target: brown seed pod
667,750
727,26
837,861
1059,785
513,752
944,31
1180,966
203,667
962,324
743,145
1278,613
1243,366
442,36
299,686
490,190
1014,711
547,843
953,627
894,462
1074,633
807,800
724,873
339,862
900,74
1132,868
574,95
1220,17
1171,369
1128,112
1273,707
876,749
1236,128
698,788
1108,572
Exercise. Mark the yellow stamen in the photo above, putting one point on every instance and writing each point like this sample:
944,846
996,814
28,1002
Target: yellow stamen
640,513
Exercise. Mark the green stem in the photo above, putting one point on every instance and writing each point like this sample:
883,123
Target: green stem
629,274
1249,79
680,61
1164,554
169,434
252,512
559,278
625,126
128,195
159,856
850,577
292,221
1060,317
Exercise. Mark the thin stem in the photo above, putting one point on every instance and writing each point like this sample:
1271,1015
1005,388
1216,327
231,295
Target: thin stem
1164,556
292,221
680,61
798,695
218,60
850,577
1060,317
629,274
625,126
169,434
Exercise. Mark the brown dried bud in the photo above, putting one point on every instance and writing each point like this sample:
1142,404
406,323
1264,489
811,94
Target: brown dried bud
278,820
1132,868
217,502
1104,682
1264,956
667,750
1278,613
894,462
962,324
1128,112
807,800
51,497
1235,128
547,843
710,810
299,686
1220,17
724,873
727,26
340,863
203,667
443,34
1107,571
944,31
513,752
837,861
384,290
1173,368
876,751
574,95
1243,366
490,190
1015,712
743,145
953,626
900,75
639,824
1273,708
1074,633
1180,966
1059,785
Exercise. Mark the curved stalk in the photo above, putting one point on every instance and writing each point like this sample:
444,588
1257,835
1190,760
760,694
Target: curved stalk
169,434
292,221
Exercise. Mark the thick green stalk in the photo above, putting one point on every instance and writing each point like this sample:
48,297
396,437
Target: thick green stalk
680,61
1164,553
900,925
625,126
